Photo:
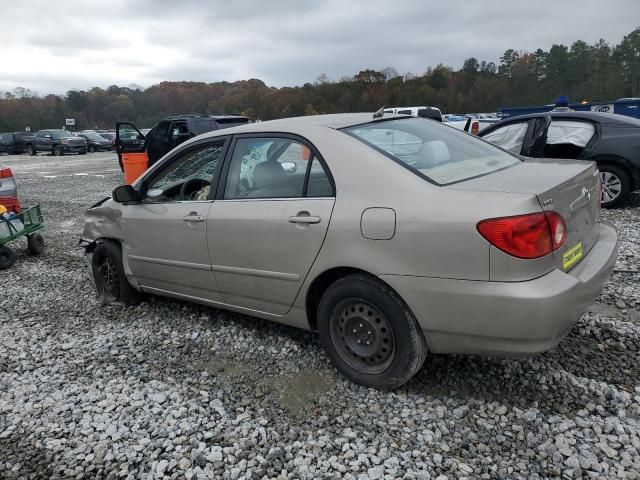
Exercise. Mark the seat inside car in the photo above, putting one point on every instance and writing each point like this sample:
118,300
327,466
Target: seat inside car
432,154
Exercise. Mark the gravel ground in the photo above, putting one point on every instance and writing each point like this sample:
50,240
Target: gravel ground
175,390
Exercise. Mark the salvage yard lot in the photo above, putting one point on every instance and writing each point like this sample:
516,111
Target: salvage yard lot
176,389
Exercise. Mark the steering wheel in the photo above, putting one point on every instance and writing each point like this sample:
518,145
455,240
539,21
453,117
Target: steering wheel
191,182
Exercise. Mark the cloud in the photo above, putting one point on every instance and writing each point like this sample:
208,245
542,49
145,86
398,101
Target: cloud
57,46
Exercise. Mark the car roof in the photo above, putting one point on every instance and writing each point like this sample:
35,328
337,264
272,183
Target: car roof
607,118
334,121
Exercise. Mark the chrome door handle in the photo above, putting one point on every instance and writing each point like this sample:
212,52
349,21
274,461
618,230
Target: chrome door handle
304,217
193,217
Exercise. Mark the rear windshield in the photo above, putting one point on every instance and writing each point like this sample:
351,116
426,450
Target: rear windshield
441,154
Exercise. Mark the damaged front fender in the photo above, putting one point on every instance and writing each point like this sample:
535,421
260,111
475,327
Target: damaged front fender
101,221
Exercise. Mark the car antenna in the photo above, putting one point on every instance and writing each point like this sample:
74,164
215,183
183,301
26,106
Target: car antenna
379,113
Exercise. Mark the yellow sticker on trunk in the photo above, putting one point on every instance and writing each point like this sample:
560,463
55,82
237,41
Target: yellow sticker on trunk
572,256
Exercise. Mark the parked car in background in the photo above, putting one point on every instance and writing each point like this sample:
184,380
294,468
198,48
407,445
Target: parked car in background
391,237
610,140
96,142
169,133
8,190
12,143
433,113
56,142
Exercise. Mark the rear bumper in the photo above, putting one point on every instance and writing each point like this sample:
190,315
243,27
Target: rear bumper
507,318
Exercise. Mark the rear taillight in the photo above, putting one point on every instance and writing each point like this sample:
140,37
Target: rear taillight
6,173
525,236
475,128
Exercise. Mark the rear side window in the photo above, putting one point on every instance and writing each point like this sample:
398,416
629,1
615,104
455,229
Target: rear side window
436,152
509,137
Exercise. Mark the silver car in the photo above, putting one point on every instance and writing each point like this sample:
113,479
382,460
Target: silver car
391,237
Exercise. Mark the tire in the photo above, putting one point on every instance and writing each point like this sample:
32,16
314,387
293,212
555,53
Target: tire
108,273
92,149
58,150
10,151
615,184
35,244
31,150
359,309
7,257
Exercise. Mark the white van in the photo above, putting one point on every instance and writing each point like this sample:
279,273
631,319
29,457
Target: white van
433,113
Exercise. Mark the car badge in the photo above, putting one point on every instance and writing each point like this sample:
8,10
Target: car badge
586,193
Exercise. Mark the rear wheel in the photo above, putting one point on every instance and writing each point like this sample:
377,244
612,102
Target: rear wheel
7,257
108,273
615,184
369,333
35,244
31,150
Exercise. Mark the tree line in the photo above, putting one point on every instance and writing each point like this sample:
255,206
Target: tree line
583,72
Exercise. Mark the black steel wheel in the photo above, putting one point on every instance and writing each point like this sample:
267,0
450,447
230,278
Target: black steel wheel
108,273
363,336
7,257
369,333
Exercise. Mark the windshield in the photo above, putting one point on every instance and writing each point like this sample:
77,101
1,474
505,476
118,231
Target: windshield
60,134
95,137
437,152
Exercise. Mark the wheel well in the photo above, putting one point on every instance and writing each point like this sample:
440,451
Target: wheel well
319,286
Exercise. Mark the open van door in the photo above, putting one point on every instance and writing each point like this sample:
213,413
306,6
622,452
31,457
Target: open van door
128,140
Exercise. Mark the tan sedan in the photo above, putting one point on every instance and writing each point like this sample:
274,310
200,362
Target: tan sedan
392,237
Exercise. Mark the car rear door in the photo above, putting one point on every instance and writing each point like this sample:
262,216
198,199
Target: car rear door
269,220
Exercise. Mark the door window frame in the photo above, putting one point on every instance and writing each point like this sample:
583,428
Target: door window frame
160,167
224,172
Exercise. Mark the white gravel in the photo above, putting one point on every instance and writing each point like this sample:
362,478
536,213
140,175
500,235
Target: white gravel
174,390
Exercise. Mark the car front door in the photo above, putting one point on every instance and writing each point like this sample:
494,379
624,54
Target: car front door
269,221
165,234
128,140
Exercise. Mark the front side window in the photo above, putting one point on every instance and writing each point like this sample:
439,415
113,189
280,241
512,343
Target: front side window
510,137
188,177
269,168
442,154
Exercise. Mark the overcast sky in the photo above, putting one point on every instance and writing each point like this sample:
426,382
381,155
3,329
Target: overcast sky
54,46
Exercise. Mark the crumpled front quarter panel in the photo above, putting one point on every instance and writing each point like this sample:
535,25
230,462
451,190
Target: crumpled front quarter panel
103,221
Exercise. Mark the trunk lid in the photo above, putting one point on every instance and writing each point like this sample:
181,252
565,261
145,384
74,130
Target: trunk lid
567,187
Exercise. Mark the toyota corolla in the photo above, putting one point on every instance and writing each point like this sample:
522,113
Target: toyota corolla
391,237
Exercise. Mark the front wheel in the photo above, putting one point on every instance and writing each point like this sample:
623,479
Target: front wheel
615,185
58,150
108,274
7,257
31,150
369,333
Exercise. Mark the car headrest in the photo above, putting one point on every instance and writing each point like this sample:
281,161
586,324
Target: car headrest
268,175
432,153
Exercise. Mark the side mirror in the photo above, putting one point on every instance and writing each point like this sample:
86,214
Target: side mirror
289,167
124,194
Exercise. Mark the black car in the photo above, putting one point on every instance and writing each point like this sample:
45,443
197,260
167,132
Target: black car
169,133
12,143
610,140
96,142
